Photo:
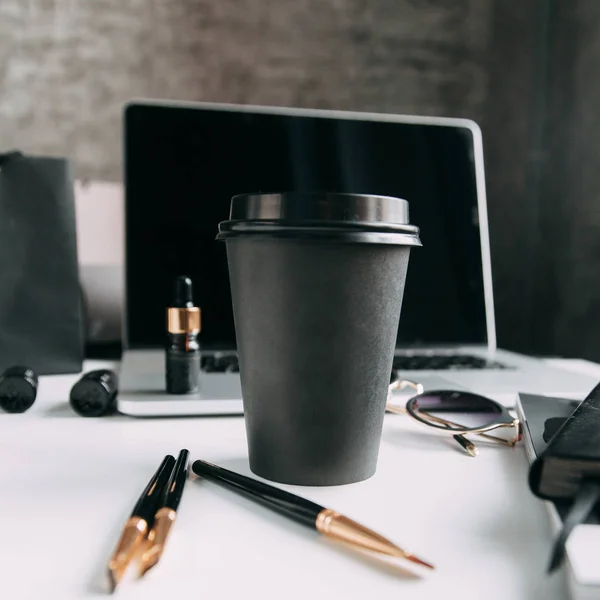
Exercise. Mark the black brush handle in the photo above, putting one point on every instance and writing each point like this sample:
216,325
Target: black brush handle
296,508
177,482
148,501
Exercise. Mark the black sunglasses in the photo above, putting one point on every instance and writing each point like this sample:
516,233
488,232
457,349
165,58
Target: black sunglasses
456,412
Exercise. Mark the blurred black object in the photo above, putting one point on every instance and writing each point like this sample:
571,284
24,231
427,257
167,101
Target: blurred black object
103,350
95,394
569,468
583,504
551,426
18,389
102,305
40,306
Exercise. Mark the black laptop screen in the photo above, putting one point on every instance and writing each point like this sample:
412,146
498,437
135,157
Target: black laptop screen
183,165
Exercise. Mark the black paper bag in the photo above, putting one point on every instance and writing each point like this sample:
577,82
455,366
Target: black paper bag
40,302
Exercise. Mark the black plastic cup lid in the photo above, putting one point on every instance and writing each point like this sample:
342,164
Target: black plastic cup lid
354,217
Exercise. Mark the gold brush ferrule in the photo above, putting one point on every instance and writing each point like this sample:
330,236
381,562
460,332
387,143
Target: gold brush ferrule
343,529
133,534
157,538
183,320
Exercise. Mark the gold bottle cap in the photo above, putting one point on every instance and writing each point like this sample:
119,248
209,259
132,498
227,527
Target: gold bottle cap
183,320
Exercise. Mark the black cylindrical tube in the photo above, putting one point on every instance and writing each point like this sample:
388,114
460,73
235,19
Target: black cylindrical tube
95,394
18,389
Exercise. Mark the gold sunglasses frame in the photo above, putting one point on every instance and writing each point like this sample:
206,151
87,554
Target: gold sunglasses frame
458,434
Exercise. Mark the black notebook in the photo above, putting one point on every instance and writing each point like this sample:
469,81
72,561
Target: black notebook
542,417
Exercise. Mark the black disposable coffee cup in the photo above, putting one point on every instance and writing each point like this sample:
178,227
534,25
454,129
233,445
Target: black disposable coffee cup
317,282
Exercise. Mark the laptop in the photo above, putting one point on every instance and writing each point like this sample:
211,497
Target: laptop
184,162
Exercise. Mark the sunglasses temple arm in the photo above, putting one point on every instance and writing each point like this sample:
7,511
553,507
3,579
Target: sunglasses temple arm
400,410
483,435
397,410
469,446
440,420
497,439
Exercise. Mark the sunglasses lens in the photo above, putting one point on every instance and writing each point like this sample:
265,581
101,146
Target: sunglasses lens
454,410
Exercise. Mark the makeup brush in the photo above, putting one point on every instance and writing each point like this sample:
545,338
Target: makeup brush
137,526
166,514
326,521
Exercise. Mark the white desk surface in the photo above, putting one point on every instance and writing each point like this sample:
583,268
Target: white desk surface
67,484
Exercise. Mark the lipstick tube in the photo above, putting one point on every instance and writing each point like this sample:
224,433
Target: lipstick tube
182,354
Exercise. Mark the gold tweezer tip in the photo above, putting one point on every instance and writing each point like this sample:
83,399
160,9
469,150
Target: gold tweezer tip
343,529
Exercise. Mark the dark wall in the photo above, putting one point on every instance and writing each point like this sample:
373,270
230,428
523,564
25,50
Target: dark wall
510,124
567,293
67,66
541,124
526,71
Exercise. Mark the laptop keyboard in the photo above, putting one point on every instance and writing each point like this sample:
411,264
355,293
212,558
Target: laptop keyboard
444,362
228,363
220,363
